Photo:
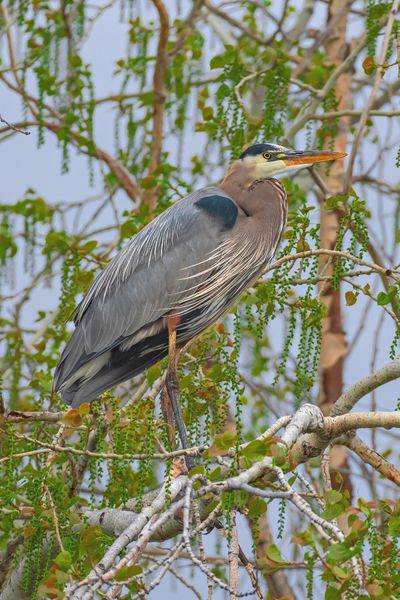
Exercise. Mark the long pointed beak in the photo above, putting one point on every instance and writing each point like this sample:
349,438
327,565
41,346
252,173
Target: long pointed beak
306,157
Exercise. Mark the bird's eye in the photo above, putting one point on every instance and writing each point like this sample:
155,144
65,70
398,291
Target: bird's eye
266,155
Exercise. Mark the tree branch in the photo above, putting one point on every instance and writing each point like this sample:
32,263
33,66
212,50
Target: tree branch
187,28
160,96
348,399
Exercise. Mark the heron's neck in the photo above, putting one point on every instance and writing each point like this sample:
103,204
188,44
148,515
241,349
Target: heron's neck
238,178
239,183
261,198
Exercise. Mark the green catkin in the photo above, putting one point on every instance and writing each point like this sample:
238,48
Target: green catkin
394,556
255,533
56,56
338,265
375,568
330,127
372,33
95,466
33,572
309,345
191,431
372,26
281,518
8,488
14,354
117,467
92,464
81,20
397,161
300,385
276,83
24,102
69,288
310,565
237,386
117,133
42,74
280,371
91,105
208,425
309,135
48,556
394,346
26,249
143,42
146,448
228,502
65,156
392,41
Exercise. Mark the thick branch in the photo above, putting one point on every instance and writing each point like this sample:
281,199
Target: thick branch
348,399
373,458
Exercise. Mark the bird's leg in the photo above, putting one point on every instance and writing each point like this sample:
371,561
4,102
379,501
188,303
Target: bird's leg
168,416
172,385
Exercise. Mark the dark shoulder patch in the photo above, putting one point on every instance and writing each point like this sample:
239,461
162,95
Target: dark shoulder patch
220,208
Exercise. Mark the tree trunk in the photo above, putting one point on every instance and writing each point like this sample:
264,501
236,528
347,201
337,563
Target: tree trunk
333,337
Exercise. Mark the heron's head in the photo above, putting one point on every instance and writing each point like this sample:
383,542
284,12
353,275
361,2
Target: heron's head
267,160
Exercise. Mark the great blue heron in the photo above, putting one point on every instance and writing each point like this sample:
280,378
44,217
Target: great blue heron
178,275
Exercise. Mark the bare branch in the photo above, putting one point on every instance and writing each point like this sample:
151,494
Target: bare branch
13,127
233,558
365,386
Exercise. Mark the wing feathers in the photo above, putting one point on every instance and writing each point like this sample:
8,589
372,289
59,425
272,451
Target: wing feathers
151,275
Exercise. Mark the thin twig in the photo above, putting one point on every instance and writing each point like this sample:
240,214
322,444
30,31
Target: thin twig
13,127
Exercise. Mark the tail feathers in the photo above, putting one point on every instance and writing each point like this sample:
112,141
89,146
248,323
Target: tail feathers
72,358
121,366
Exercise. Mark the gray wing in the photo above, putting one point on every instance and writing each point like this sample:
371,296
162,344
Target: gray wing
154,272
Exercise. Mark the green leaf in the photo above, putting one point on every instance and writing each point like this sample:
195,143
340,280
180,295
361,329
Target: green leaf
382,299
333,496
88,247
332,593
208,113
222,441
84,409
273,553
257,507
197,470
63,560
340,553
369,65
351,298
224,91
217,62
336,504
127,572
56,241
333,202
215,475
255,450
394,525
